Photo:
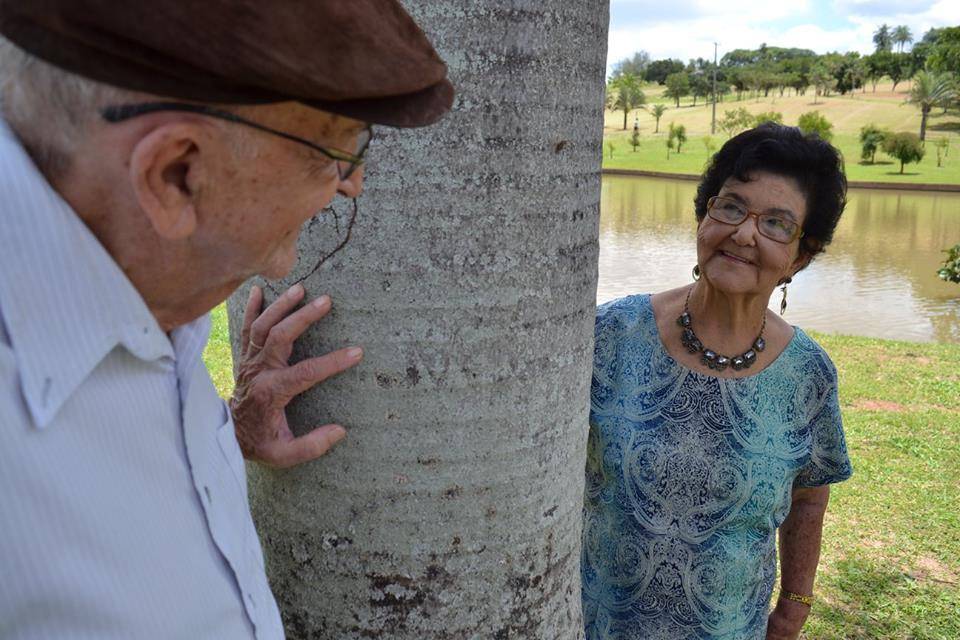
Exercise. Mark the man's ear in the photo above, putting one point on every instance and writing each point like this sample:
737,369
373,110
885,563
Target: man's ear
163,167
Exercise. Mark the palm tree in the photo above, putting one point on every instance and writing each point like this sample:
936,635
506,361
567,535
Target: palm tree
453,508
931,89
882,38
657,112
624,92
901,36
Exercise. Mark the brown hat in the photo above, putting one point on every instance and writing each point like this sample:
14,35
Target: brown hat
366,59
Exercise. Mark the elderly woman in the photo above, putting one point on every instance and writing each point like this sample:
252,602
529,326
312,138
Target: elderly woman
713,422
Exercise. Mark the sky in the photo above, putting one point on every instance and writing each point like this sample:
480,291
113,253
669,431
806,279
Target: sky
686,29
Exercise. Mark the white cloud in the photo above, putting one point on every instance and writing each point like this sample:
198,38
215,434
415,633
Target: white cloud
686,29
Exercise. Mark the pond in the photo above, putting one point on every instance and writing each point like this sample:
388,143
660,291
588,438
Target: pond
878,278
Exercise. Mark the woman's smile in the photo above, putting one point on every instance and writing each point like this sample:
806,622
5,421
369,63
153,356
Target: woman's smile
736,259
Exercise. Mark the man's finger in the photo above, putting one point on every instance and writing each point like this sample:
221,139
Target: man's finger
250,312
273,314
307,447
292,327
306,373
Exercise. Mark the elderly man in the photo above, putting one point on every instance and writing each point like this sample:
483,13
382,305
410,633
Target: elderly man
153,157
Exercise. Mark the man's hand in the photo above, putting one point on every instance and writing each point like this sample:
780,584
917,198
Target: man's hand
266,382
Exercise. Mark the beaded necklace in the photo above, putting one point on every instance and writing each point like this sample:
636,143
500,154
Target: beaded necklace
711,358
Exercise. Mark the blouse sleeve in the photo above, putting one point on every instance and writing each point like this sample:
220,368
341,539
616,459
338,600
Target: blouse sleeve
829,462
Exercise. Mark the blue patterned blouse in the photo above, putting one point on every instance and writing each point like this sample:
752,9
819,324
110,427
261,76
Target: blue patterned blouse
688,477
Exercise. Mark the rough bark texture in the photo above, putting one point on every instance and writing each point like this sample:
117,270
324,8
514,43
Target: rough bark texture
453,508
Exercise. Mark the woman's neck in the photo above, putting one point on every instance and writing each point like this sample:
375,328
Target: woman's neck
728,323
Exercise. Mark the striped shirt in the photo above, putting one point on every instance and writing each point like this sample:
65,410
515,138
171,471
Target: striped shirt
123,504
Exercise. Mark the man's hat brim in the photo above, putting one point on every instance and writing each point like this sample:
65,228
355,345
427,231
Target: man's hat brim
365,59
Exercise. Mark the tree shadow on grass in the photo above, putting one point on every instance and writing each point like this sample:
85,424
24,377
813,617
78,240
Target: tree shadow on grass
878,163
905,173
874,601
944,126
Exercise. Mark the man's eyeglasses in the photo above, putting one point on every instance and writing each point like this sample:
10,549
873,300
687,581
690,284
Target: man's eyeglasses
347,162
770,225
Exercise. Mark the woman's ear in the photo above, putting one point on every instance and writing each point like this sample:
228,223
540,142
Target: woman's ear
163,167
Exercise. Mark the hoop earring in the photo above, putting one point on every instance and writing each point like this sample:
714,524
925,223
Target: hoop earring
783,300
696,272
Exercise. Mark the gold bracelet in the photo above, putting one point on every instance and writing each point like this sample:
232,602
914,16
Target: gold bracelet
796,597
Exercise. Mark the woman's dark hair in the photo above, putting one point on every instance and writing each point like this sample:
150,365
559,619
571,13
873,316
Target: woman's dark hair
786,151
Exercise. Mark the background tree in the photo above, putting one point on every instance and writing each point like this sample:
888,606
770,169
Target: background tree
454,509
871,140
660,69
627,94
944,50
931,89
678,134
898,68
877,64
734,121
883,38
905,147
635,138
635,65
657,112
943,146
678,85
701,85
901,35
813,122
709,145
767,116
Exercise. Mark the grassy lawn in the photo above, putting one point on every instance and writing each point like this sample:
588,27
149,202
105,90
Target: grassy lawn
891,556
848,114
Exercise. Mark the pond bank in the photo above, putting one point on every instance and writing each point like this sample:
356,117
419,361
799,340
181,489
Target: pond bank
853,184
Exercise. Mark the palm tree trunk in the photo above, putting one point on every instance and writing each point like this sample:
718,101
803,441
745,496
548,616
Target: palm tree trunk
453,508
624,118
924,111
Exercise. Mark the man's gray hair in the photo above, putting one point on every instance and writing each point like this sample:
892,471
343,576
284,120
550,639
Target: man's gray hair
51,109
48,108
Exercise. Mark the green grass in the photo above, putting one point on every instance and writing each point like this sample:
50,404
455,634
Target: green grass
848,114
890,567
217,355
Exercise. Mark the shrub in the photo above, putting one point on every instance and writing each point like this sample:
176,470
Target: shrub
767,116
813,122
950,271
871,137
905,147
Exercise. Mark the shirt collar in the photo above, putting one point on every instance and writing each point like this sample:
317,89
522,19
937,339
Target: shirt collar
66,303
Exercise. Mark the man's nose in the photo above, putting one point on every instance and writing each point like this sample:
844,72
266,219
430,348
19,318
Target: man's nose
353,184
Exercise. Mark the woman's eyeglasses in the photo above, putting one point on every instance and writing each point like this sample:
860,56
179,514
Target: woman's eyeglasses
770,225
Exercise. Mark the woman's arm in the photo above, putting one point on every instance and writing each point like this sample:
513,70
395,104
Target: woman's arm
799,554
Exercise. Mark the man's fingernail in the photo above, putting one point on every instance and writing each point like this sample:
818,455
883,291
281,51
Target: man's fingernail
354,353
295,290
254,290
338,432
321,302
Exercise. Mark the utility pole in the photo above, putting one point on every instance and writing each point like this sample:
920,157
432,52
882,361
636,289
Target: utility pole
713,117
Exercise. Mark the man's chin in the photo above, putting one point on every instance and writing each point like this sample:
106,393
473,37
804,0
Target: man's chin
280,266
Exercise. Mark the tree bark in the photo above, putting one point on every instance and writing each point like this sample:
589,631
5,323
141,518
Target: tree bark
453,508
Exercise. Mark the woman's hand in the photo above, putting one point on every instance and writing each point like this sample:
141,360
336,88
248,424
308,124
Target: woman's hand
266,382
787,620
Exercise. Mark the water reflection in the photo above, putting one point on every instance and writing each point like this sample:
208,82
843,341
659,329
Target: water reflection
878,278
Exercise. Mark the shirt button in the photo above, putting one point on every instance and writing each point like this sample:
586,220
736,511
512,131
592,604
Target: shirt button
250,600
206,491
